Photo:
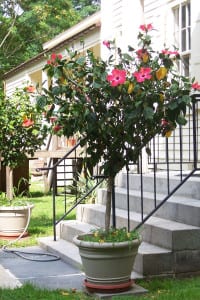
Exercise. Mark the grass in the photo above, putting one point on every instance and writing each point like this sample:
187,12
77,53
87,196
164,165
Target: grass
158,289
169,289
28,292
41,225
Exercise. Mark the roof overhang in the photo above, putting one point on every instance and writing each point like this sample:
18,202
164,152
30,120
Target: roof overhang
70,35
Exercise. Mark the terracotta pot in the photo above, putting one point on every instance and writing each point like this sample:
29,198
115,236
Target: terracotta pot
107,266
14,220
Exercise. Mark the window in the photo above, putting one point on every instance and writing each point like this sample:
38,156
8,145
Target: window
182,35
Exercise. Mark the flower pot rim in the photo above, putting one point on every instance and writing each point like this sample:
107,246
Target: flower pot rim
77,241
17,207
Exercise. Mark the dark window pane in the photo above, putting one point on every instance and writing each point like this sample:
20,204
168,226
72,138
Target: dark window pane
189,15
183,16
189,38
183,40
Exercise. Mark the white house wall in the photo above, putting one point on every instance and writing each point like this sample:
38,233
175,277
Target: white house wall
120,20
195,44
21,78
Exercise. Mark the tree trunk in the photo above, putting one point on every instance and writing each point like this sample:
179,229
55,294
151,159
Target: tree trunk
110,182
9,183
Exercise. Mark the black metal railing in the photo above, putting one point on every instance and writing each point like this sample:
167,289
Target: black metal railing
63,186
175,155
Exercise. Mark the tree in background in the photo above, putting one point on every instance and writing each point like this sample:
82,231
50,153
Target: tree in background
86,7
25,25
22,131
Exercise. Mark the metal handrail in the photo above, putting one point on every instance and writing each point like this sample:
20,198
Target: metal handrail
53,168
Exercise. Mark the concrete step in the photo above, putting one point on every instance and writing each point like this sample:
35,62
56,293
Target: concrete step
71,228
191,188
160,232
151,260
67,251
176,208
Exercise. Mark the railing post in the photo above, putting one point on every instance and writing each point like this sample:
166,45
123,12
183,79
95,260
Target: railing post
194,131
128,197
54,184
113,205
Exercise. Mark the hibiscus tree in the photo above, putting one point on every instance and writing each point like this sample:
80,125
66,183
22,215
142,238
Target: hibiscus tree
116,106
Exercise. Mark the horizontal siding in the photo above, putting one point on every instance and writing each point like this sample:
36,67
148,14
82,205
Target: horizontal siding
117,14
29,73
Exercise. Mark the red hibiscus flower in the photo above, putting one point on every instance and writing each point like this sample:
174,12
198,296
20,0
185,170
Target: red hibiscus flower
53,119
30,89
27,123
57,128
117,77
54,58
143,74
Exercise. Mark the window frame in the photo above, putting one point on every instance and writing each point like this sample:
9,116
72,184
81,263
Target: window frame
182,34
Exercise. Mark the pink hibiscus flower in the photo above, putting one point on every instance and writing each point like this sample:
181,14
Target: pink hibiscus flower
196,86
117,77
146,28
143,74
167,52
107,44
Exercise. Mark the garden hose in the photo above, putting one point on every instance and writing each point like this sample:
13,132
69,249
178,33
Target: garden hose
23,254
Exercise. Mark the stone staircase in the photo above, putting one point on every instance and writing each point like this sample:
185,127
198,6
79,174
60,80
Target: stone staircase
170,239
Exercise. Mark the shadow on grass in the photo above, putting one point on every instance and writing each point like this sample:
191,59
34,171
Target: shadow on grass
36,194
43,224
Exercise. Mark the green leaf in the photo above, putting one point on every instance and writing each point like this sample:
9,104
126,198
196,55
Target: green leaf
181,120
173,105
81,60
148,113
41,101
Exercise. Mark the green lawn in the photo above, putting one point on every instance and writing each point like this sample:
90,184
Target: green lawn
169,289
41,225
158,289
28,292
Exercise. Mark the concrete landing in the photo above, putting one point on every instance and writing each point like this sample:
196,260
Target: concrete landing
39,271
42,272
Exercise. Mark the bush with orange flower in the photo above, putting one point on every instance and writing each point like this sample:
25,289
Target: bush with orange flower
22,129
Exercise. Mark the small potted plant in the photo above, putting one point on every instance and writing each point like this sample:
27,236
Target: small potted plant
116,107
22,133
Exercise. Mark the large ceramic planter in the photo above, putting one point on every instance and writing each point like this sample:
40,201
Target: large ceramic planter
14,220
107,266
